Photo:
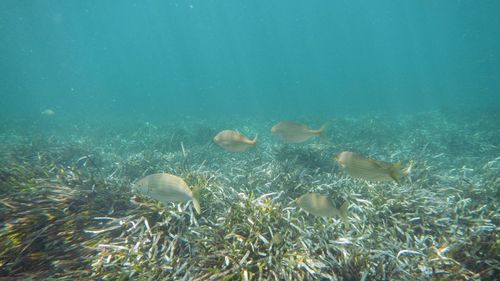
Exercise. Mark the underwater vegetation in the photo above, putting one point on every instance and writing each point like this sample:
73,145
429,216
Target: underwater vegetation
68,211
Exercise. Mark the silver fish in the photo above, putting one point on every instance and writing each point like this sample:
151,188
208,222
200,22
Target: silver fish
320,205
166,188
48,112
290,132
362,167
234,141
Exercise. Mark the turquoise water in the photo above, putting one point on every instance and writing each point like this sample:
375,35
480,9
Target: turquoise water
96,95
151,60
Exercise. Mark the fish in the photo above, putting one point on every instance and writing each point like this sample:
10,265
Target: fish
320,205
48,112
291,132
167,188
360,166
234,141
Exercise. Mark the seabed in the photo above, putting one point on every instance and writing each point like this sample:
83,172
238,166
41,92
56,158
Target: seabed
67,210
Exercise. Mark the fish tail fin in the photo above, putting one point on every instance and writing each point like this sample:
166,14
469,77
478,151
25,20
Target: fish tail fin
322,132
343,214
254,141
196,205
195,199
407,170
395,172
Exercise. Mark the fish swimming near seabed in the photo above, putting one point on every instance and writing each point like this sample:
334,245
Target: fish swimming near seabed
291,132
234,141
166,188
320,205
360,166
48,112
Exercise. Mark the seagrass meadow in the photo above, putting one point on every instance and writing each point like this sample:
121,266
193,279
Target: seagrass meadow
68,212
